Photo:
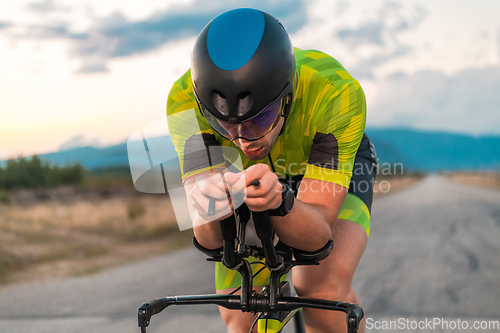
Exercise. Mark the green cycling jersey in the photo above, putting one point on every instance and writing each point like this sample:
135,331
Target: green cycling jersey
321,135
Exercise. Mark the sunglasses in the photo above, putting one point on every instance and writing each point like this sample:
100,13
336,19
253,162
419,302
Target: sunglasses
257,126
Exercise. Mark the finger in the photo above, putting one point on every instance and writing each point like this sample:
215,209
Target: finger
256,171
200,203
232,177
211,189
259,204
199,200
240,181
267,184
238,186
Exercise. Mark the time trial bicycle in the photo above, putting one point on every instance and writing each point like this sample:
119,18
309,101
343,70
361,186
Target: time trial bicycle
274,305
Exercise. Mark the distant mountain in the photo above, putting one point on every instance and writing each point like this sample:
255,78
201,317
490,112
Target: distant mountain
416,150
92,158
435,151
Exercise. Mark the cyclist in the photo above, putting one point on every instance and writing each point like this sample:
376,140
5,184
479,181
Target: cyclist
296,116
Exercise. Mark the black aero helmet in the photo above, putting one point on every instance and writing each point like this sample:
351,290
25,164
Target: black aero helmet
243,67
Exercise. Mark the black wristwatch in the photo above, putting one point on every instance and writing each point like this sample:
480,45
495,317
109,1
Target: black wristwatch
287,199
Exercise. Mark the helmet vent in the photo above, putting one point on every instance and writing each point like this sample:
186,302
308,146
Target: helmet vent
245,101
220,102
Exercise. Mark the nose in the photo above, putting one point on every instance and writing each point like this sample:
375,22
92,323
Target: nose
242,143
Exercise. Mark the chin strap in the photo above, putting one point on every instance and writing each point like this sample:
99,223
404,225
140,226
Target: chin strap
283,127
295,80
271,162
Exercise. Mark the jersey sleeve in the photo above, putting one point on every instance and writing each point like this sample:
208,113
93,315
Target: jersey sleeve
340,122
190,132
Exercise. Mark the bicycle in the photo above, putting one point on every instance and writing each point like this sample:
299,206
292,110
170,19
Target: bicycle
275,305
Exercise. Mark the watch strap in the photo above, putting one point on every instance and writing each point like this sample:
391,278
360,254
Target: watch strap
282,209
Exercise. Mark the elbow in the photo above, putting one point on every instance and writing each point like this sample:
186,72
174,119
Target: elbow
321,237
326,234
325,239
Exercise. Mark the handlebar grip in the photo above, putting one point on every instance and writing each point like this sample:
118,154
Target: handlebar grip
158,305
264,231
151,308
228,233
262,225
228,228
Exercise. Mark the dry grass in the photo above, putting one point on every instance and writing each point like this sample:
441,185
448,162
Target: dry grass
78,231
391,184
483,179
81,234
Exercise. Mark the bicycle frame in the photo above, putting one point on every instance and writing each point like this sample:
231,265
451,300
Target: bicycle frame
274,303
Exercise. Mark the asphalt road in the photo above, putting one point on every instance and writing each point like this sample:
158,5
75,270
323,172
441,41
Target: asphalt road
433,252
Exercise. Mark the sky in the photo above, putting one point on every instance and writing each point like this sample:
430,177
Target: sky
90,72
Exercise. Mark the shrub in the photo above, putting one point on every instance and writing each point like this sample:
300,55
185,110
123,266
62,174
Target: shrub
135,209
33,173
4,198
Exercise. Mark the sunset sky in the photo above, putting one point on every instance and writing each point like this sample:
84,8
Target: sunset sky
89,72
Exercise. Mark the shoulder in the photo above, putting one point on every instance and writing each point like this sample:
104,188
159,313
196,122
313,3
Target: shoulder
181,95
321,68
328,99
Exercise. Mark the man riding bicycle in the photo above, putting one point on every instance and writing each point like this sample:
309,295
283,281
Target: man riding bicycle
298,119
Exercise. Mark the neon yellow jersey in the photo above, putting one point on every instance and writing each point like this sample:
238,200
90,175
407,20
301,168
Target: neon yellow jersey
322,133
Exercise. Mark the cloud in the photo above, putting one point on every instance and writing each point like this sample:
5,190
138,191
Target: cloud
4,24
399,17
181,22
466,101
368,33
43,6
48,31
365,66
92,67
383,35
341,7
393,19
117,36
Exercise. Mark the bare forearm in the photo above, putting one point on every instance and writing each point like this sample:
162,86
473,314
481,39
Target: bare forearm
208,235
306,227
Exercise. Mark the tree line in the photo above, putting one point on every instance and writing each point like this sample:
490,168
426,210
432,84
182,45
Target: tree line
34,173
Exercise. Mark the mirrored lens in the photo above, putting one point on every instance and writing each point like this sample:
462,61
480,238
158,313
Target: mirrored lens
266,118
257,126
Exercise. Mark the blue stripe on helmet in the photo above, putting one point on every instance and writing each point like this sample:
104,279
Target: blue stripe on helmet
234,36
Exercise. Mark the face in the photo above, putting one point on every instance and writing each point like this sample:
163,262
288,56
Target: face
257,150
257,126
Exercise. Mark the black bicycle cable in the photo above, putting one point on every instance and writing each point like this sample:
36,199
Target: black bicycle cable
255,322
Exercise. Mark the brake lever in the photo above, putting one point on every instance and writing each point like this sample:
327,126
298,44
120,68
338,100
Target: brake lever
144,316
354,316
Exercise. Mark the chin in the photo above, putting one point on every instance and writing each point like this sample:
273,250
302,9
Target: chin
256,158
